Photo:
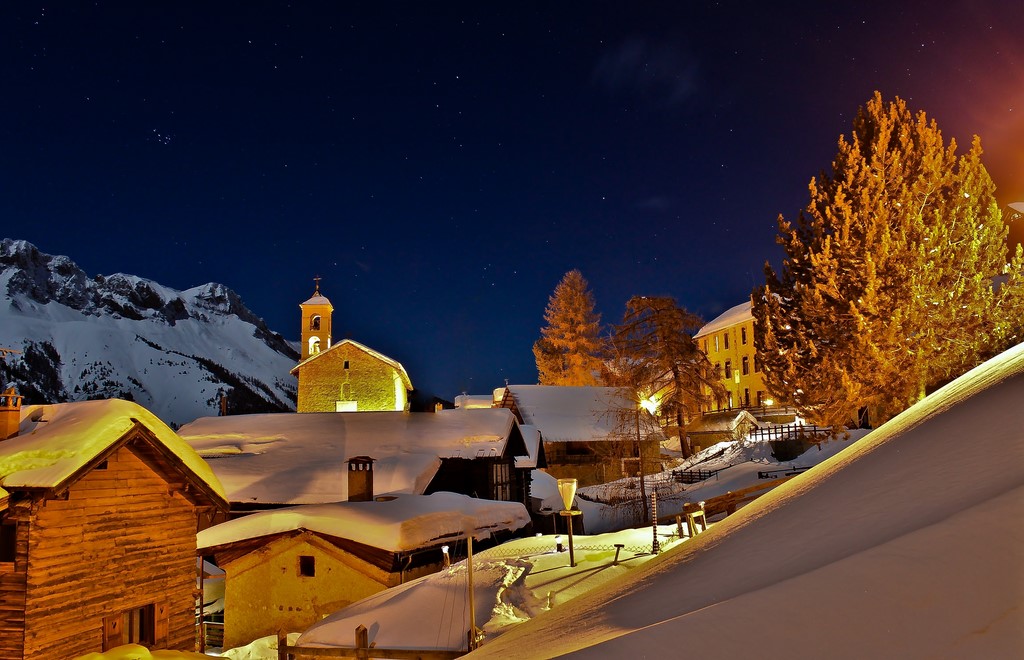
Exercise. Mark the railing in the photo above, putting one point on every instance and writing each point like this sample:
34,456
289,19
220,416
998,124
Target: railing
695,476
808,432
788,472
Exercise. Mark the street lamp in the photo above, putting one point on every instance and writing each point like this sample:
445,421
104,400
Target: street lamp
567,489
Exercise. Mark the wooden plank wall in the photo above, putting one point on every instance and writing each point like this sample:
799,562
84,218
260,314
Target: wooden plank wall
120,540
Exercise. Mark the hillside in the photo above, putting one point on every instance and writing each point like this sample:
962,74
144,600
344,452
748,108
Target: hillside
122,336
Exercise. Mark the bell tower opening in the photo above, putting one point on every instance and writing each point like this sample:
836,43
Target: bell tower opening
316,322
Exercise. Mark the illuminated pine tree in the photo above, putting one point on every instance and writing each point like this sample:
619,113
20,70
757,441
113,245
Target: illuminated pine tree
652,353
895,277
568,351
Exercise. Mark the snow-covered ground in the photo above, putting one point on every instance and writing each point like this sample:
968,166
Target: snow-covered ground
739,462
908,544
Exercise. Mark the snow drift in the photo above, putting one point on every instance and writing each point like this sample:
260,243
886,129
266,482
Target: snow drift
907,544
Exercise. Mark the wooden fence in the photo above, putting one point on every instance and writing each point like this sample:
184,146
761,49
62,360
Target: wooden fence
362,649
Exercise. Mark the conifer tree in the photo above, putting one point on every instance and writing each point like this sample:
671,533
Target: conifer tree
895,277
569,349
652,353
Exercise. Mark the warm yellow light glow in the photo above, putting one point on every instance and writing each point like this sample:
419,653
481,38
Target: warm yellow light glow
649,404
769,402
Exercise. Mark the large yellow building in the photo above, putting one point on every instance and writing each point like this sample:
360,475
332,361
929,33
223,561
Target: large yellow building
347,376
728,341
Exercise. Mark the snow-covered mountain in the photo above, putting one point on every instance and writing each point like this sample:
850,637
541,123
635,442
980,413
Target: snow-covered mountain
127,337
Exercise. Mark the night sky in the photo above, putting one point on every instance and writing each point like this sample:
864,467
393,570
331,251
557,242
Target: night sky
441,165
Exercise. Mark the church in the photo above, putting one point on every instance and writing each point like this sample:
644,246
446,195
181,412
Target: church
347,376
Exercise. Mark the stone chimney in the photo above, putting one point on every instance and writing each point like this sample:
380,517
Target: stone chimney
10,413
360,479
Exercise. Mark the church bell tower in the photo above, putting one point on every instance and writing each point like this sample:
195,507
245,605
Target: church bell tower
316,323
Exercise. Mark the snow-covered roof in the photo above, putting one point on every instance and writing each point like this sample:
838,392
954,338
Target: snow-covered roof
56,441
909,540
394,364
532,438
1017,206
299,458
402,524
318,299
571,413
467,401
719,422
729,317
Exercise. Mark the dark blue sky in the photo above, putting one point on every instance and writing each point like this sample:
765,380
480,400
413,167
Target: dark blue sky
442,165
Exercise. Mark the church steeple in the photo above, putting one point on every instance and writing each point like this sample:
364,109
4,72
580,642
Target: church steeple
316,322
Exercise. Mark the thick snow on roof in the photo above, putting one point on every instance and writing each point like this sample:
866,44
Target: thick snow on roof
299,458
729,317
468,401
531,436
406,523
906,544
565,413
55,441
721,422
318,299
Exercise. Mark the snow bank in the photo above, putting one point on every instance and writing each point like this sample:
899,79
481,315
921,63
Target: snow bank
906,544
512,583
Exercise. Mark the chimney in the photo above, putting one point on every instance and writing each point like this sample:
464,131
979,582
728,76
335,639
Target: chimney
360,479
10,413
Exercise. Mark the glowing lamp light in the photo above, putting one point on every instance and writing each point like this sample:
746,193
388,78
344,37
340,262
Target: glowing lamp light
650,405
558,543
447,559
769,402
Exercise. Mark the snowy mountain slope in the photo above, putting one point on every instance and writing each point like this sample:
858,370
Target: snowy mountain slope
128,337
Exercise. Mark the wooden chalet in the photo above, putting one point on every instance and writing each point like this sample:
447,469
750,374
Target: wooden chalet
591,434
100,506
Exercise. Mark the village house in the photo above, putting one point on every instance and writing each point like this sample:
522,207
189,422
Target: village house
289,568
347,376
99,506
591,434
728,342
275,460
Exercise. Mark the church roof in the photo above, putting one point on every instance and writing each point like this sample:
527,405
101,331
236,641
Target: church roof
395,364
318,299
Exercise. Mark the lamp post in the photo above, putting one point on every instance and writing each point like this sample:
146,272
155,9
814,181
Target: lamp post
567,489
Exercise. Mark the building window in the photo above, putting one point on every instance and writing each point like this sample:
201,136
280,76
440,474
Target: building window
746,365
314,345
757,364
730,399
746,397
314,322
718,370
726,336
705,347
716,343
728,371
743,335
760,397
8,541
307,566
137,625
501,483
345,366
